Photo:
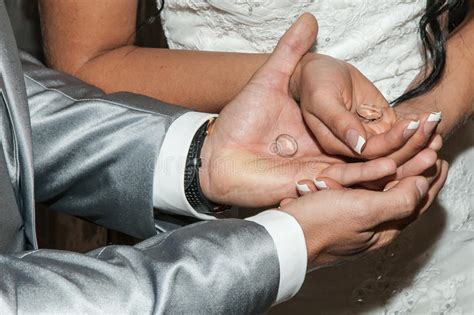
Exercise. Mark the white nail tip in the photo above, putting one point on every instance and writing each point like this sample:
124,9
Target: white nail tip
434,117
302,188
413,125
320,184
359,145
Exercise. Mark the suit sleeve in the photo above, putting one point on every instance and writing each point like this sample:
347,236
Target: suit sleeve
205,268
95,154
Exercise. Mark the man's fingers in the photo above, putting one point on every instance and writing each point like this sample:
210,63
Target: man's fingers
417,165
388,231
286,201
436,143
421,162
399,202
290,49
433,172
348,174
436,186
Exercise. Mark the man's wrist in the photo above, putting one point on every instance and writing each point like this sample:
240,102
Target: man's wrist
291,249
169,191
312,249
204,174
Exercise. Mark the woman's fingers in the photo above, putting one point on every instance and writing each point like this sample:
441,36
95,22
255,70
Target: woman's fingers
328,106
417,165
328,141
324,183
305,186
419,140
348,174
392,140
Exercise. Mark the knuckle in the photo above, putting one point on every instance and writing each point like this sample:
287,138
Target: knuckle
366,214
317,96
408,203
418,144
330,150
337,122
392,139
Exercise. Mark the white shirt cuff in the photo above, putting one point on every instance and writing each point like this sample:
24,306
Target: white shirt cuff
291,249
168,181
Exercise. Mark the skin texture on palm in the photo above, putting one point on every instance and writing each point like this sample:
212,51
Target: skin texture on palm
107,58
239,167
358,220
247,126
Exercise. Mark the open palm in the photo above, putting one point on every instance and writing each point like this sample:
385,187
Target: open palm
239,167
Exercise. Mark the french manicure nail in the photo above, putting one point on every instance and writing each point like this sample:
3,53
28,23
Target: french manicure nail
436,116
302,188
355,140
320,184
411,129
432,122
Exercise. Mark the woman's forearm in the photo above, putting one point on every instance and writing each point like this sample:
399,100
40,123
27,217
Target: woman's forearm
94,40
454,93
204,81
456,89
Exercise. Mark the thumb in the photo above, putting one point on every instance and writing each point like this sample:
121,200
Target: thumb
294,44
328,107
400,201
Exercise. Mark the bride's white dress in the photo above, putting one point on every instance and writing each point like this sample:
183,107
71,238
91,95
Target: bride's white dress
430,268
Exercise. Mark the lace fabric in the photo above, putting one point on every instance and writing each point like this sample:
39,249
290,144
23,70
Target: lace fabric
429,269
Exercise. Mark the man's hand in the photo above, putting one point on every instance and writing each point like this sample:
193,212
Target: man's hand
238,166
340,223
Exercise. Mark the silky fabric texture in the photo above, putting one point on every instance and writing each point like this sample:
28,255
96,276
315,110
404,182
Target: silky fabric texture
214,267
207,268
219,267
12,237
15,129
95,154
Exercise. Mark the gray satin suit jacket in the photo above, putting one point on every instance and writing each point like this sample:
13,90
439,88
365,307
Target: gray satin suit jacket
92,155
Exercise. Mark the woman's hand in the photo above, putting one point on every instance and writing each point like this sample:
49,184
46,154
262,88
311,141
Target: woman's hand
329,91
238,166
